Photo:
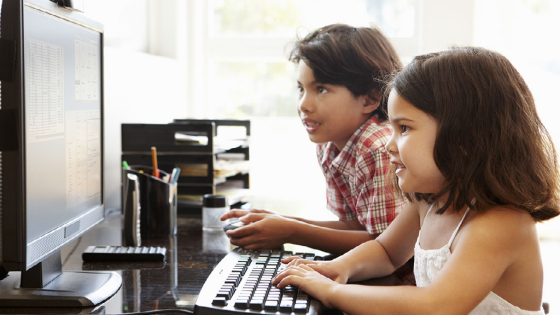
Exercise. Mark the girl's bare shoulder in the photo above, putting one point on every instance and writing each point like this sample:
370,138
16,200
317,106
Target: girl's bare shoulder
501,222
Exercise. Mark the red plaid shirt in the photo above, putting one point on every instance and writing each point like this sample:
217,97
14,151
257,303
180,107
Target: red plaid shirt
355,176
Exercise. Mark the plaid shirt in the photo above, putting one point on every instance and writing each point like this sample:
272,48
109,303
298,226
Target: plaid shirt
355,176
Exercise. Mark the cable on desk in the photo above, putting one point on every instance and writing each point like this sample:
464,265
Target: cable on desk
166,311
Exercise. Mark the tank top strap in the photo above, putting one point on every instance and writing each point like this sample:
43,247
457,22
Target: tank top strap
430,209
458,227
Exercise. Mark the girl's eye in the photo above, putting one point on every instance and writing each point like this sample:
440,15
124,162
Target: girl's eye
321,90
300,89
404,128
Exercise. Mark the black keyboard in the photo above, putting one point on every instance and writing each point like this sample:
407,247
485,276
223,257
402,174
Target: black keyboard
240,283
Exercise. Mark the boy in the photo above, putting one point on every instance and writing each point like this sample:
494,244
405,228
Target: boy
341,71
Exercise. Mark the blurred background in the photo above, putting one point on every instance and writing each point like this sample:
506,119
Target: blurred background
227,59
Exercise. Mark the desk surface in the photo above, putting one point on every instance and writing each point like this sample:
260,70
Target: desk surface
191,257
174,284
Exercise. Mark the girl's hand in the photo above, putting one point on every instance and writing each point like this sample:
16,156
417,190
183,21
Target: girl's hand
307,279
329,269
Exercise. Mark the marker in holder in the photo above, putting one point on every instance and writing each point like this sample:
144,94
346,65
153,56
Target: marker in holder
158,202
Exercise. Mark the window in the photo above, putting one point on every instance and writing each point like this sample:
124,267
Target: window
233,56
248,42
238,55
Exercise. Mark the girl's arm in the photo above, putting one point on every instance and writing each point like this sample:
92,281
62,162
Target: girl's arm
496,251
389,251
375,258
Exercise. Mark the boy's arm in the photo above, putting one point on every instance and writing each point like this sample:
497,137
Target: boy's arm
339,225
265,229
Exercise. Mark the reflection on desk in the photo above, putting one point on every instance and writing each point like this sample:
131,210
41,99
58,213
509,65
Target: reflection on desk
173,284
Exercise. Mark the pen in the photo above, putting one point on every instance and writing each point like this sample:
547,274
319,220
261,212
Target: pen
155,171
125,165
175,175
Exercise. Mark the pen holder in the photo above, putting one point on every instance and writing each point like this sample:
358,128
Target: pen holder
158,202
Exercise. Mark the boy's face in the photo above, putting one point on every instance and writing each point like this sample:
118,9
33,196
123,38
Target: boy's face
330,113
412,147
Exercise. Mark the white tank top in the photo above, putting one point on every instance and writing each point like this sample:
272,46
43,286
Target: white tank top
428,264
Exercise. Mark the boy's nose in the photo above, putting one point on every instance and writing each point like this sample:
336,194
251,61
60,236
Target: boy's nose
305,104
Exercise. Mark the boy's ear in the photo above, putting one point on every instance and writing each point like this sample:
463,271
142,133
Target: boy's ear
371,103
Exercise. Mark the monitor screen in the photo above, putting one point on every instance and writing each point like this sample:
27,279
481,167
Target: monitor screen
62,73
52,168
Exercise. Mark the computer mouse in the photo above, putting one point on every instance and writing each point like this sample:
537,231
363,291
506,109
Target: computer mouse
233,225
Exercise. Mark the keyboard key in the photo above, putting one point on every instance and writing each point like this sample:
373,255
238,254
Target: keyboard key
219,301
256,304
271,305
242,304
300,308
286,306
287,254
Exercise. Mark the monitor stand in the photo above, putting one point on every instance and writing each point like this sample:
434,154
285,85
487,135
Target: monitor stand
46,285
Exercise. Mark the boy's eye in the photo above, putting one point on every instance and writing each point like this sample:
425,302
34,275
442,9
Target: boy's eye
321,90
404,128
300,89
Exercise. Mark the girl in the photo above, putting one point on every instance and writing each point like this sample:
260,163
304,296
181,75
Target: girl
478,169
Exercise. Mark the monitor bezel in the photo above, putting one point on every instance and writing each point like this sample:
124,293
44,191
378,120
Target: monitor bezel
20,254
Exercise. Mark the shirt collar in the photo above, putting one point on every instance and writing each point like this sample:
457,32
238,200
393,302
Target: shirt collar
337,158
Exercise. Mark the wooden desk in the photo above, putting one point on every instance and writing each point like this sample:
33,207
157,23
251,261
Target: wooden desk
191,257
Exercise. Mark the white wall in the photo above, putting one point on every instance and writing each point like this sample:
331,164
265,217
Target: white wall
139,88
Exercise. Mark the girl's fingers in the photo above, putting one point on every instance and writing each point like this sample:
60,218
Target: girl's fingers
290,260
288,276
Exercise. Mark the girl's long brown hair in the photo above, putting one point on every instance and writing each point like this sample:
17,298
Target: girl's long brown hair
490,144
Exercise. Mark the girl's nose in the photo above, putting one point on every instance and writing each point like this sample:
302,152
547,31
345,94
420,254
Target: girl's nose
391,146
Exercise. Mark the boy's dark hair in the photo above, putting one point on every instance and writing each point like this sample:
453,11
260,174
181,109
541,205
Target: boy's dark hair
490,143
359,58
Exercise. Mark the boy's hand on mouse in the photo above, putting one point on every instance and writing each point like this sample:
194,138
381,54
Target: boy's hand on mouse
234,213
238,213
307,279
263,229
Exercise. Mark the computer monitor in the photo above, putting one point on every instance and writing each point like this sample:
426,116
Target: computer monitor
51,131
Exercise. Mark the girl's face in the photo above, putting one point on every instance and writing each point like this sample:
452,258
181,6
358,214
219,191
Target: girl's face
412,147
330,113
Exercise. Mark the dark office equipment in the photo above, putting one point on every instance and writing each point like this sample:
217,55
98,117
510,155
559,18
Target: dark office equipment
51,164
131,211
233,225
77,5
123,253
197,147
158,204
7,59
240,283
